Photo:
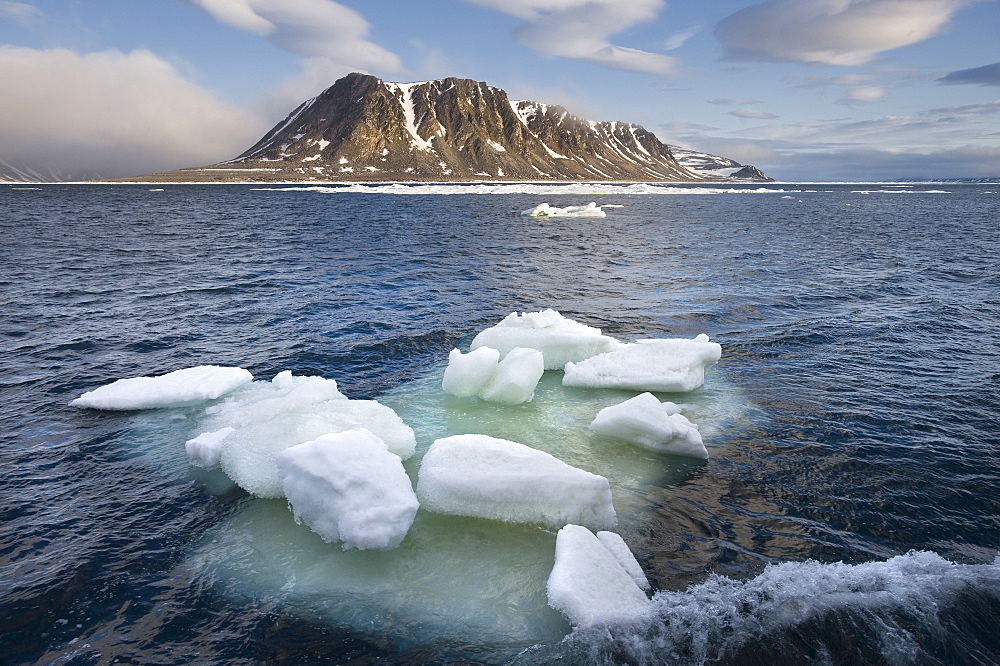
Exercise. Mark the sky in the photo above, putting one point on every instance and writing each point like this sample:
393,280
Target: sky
806,90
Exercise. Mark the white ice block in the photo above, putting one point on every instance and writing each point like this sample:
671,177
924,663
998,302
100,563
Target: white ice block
269,417
467,374
174,389
545,210
668,365
348,487
560,340
515,378
657,426
486,477
589,585
205,449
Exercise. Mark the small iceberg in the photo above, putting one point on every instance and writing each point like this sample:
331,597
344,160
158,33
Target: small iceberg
670,365
651,424
268,417
593,584
487,477
545,210
560,340
348,487
174,389
511,381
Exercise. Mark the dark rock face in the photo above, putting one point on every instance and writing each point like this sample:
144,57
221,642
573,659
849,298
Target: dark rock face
364,129
750,173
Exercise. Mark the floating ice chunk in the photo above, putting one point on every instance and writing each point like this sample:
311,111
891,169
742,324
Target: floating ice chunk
205,449
516,377
348,487
672,365
174,389
268,417
645,421
588,583
486,477
480,373
467,374
560,340
545,210
616,546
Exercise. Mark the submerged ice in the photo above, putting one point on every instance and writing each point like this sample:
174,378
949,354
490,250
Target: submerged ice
506,453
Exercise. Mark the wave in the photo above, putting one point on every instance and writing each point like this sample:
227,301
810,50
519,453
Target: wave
901,610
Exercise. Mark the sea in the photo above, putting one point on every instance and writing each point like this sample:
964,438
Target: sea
848,513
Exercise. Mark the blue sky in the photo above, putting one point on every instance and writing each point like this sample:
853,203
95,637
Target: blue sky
804,89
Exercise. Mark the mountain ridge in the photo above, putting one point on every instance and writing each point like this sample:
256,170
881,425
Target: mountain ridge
451,130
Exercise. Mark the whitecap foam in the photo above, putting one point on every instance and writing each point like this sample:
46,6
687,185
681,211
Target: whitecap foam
894,599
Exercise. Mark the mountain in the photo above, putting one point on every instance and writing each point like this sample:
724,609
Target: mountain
365,129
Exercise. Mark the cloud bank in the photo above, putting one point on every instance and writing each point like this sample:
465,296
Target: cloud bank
580,29
832,32
111,114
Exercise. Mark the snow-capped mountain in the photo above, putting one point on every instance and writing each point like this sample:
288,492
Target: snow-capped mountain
713,166
363,128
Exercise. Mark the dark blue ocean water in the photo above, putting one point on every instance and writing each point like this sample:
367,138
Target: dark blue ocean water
860,328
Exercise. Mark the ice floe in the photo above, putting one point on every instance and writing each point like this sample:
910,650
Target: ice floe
645,421
545,210
481,373
616,546
468,374
269,417
672,365
488,477
205,449
174,389
348,487
588,583
339,464
560,339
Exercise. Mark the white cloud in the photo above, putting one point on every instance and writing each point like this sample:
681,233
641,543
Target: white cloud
580,29
112,114
945,142
834,32
331,38
753,114
21,12
310,28
862,95
733,101
678,39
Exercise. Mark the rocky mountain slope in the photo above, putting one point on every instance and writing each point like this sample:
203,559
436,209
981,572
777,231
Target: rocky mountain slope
365,129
